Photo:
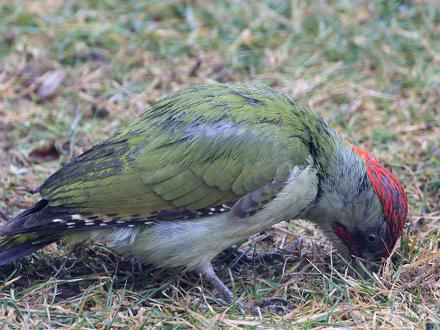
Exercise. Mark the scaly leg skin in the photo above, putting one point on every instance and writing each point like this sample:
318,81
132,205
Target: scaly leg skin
274,304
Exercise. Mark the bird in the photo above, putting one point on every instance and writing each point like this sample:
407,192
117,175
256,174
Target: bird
206,168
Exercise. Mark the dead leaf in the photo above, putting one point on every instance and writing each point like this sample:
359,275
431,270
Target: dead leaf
45,153
195,67
49,83
100,112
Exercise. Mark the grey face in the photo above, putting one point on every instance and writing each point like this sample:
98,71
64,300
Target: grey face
368,243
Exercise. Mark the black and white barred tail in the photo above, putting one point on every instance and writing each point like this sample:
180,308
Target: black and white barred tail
41,225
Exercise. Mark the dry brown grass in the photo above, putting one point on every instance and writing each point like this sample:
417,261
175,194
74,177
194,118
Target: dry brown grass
73,72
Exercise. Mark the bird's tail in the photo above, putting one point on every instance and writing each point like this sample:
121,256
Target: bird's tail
16,246
17,242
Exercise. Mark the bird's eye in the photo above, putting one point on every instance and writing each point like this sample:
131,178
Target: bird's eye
372,238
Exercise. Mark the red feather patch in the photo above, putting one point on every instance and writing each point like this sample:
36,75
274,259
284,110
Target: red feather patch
391,193
343,234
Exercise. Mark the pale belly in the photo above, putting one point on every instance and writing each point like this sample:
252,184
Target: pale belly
194,243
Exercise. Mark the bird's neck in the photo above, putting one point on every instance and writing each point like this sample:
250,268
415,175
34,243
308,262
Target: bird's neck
344,191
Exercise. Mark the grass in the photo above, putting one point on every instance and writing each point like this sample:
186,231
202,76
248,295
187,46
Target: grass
73,72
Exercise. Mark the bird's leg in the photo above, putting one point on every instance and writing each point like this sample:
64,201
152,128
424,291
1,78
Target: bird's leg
208,272
275,304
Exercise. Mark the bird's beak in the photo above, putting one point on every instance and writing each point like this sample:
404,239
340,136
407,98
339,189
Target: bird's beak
365,267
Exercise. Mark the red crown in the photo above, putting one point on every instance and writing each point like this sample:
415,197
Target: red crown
391,194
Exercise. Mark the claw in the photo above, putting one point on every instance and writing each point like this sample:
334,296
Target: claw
278,309
274,304
272,300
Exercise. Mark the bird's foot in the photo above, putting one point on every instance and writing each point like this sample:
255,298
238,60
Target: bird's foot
274,304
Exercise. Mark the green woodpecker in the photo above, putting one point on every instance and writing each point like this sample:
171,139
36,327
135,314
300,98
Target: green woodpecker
206,168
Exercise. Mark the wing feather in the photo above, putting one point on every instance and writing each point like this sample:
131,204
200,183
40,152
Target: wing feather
196,149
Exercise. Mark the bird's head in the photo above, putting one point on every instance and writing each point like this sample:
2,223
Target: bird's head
376,238
365,210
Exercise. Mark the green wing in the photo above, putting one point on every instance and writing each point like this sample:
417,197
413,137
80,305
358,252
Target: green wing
201,147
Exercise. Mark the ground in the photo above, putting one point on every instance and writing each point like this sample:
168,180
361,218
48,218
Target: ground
74,72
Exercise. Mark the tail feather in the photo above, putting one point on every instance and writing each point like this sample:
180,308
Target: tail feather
14,247
32,217
16,242
17,252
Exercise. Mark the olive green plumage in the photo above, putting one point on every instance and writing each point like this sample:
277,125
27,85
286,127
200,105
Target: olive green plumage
204,146
207,155
204,169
